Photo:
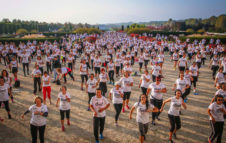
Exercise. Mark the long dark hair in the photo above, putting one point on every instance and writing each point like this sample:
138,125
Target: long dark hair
7,74
147,103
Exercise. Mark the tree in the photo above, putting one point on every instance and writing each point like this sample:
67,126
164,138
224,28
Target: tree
221,23
190,30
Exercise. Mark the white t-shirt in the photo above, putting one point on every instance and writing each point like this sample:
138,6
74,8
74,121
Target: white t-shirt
175,106
142,114
220,77
154,88
103,77
124,81
4,92
90,84
221,92
216,111
194,70
111,66
45,79
38,120
64,105
35,72
64,70
97,62
25,58
144,83
84,69
156,70
181,84
182,62
117,99
99,103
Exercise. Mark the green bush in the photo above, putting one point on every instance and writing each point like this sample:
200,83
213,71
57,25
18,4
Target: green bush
201,31
18,40
21,31
33,31
222,38
190,30
87,30
138,31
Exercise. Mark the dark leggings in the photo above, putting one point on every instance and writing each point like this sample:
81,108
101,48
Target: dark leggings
214,69
186,93
27,66
195,79
157,103
70,66
111,75
144,90
62,112
98,122
6,103
117,70
118,109
217,131
34,132
49,67
90,96
65,76
37,80
174,121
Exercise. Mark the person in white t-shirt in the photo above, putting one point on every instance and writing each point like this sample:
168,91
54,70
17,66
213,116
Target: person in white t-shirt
195,74
4,95
91,86
103,78
111,71
127,83
64,98
46,87
83,72
220,78
182,64
25,57
174,113
36,74
155,91
116,96
145,81
143,111
62,72
38,119
216,111
98,105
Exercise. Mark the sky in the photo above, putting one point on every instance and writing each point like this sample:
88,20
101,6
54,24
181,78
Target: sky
109,11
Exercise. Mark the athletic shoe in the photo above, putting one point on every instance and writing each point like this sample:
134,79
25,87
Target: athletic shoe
68,123
174,135
185,100
88,109
127,106
109,82
123,110
101,136
170,141
97,142
153,123
116,124
63,128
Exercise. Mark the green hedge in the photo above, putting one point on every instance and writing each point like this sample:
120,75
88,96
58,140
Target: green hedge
18,40
222,38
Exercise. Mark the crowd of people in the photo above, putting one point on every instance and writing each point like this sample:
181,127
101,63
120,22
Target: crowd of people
111,60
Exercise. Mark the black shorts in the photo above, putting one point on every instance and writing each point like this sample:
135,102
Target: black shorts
97,70
62,112
83,77
14,70
103,87
140,64
126,95
182,68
